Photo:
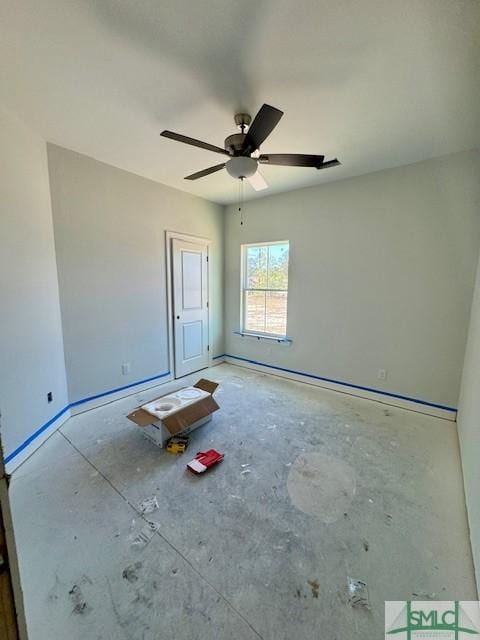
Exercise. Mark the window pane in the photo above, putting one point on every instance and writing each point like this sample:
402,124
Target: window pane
276,312
257,264
277,266
265,288
255,311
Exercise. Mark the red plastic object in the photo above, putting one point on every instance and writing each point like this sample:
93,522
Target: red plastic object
204,460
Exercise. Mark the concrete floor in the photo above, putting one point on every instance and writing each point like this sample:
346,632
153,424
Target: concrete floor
316,486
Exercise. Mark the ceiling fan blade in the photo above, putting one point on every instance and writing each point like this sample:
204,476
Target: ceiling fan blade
257,181
205,172
262,126
292,159
195,143
330,163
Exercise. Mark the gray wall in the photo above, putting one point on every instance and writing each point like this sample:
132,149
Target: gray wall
469,427
382,269
110,241
31,347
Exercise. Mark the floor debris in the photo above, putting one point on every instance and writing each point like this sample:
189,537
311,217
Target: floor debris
366,546
149,505
80,608
357,594
76,596
424,594
146,534
130,572
315,587
245,471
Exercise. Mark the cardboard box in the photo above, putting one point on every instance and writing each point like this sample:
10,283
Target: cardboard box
176,413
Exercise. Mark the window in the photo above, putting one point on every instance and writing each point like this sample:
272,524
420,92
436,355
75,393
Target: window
265,288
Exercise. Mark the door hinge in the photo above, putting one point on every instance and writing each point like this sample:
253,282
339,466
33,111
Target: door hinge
208,304
207,258
208,347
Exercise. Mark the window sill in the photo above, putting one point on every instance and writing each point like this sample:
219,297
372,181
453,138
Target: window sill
261,336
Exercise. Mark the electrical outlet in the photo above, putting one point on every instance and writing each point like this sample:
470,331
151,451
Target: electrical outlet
49,396
382,374
126,368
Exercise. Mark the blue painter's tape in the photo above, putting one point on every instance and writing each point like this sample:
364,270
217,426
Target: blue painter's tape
345,384
41,429
34,435
127,386
45,426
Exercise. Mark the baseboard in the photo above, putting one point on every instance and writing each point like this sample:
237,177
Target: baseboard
15,458
384,397
101,399
38,437
35,440
98,400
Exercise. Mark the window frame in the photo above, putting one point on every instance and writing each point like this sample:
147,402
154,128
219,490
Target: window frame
243,289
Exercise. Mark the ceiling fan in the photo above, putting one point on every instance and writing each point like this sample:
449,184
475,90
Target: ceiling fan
243,149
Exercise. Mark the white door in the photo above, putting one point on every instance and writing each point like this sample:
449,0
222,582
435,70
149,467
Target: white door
190,306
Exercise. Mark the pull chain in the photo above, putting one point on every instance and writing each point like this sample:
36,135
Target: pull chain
240,200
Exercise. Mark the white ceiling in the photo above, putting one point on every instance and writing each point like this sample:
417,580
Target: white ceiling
378,83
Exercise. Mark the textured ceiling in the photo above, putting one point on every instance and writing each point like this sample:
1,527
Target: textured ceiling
377,83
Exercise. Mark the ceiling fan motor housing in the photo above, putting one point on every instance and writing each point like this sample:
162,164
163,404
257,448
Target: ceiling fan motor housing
241,167
234,143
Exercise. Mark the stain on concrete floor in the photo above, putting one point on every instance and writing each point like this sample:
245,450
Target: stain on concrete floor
321,485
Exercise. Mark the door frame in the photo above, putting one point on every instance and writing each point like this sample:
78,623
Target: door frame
174,235
11,597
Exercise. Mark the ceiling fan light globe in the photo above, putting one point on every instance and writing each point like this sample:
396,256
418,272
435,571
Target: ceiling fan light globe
241,167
